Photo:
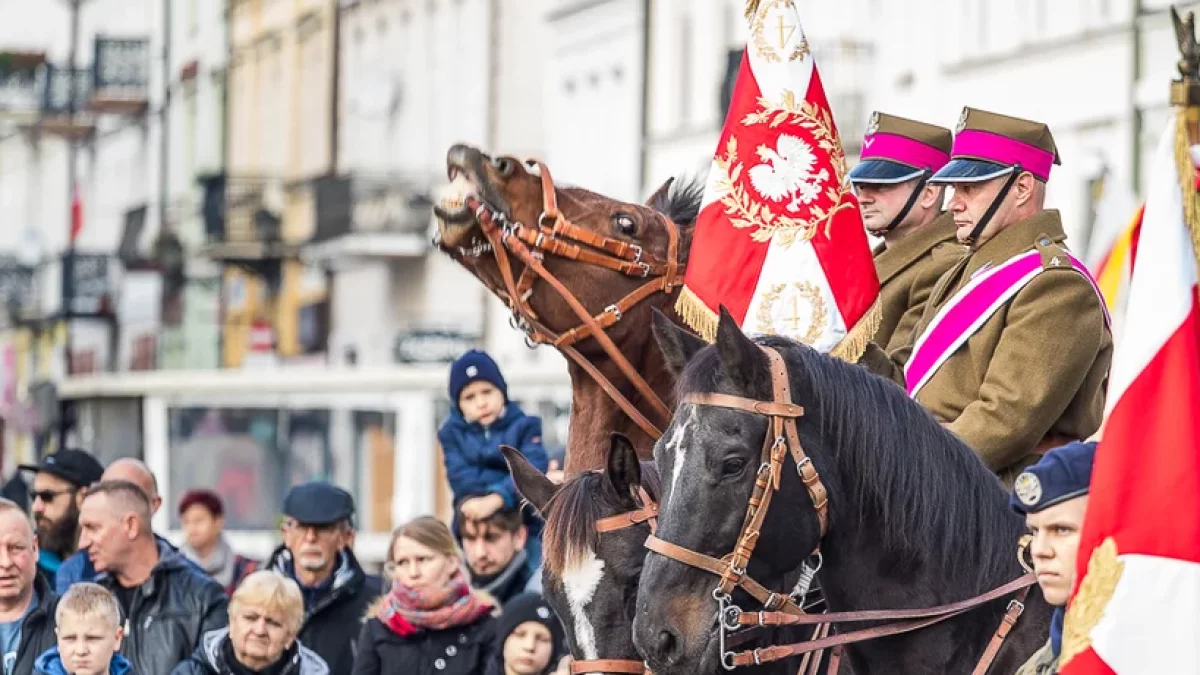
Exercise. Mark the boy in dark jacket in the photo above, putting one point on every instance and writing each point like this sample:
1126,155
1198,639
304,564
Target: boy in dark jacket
481,420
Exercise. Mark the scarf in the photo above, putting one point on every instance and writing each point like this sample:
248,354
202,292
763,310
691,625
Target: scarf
1056,630
219,565
409,610
501,584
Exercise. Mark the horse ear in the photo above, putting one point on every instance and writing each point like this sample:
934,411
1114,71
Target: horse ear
677,344
624,469
533,485
661,193
742,360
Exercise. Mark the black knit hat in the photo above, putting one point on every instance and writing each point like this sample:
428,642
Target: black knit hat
530,607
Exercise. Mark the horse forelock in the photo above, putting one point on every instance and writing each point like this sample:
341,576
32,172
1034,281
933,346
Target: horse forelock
931,497
570,534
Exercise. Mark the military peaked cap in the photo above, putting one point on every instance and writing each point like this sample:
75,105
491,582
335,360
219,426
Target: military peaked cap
896,149
988,145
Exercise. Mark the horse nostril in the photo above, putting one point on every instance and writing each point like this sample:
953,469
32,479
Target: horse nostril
666,644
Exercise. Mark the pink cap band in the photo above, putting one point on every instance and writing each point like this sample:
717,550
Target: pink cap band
976,144
904,150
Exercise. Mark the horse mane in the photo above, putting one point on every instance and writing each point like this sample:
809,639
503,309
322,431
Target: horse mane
681,203
932,494
572,512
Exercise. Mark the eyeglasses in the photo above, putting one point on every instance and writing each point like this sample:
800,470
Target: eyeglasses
48,496
318,530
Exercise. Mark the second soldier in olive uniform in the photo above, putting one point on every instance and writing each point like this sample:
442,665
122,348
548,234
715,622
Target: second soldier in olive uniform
900,205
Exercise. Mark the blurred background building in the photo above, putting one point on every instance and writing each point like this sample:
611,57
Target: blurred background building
215,214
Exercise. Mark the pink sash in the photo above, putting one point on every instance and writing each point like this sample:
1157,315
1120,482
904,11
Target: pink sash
971,307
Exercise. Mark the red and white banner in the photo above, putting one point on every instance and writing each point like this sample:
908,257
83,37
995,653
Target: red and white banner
1136,607
779,241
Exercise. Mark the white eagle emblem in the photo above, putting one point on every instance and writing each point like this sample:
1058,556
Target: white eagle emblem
787,172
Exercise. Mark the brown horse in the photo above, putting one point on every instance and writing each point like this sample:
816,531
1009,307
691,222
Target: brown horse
616,260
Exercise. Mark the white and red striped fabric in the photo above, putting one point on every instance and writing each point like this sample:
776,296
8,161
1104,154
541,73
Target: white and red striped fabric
779,241
1136,607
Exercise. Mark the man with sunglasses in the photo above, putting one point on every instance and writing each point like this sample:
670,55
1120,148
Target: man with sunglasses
58,486
1012,350
318,536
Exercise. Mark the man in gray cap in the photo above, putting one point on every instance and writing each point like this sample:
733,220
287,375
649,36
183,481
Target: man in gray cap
318,531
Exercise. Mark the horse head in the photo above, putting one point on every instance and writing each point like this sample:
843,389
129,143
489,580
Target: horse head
710,458
595,526
515,192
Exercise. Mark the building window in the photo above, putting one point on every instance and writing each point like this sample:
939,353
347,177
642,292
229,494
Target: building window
685,66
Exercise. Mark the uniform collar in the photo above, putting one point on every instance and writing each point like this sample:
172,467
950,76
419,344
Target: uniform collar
1017,238
912,247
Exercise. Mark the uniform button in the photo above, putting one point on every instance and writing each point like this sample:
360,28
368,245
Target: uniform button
1044,241
451,650
440,664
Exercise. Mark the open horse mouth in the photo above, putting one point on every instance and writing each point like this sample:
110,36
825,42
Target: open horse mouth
458,224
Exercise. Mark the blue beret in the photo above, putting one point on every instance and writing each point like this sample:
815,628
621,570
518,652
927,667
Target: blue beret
318,503
1061,474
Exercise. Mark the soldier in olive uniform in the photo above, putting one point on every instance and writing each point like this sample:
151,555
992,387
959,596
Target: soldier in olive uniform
1053,496
1013,348
899,204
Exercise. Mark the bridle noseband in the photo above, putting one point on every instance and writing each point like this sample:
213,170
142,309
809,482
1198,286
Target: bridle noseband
646,513
784,609
555,235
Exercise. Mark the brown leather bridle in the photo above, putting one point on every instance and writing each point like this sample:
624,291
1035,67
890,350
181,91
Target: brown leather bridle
555,235
646,513
782,609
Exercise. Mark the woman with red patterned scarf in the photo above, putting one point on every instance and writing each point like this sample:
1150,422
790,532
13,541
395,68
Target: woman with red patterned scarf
431,622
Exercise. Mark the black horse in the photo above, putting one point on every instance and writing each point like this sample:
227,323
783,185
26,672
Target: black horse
590,578
915,518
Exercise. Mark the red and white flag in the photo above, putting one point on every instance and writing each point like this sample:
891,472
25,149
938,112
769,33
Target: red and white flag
779,241
1136,606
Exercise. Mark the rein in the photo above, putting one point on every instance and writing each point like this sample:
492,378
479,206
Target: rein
782,609
647,513
555,235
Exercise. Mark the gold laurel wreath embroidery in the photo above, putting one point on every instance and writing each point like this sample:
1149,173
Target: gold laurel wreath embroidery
807,291
1095,592
744,212
764,48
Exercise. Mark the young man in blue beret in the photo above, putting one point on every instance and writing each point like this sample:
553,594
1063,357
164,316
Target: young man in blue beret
1053,497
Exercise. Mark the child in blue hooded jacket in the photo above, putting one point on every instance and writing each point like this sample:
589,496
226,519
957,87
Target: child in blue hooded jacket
88,629
481,420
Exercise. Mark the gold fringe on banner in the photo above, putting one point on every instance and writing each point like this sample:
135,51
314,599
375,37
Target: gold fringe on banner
1187,181
697,315
851,348
751,8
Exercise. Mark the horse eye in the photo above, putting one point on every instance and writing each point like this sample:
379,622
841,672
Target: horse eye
733,466
504,165
625,224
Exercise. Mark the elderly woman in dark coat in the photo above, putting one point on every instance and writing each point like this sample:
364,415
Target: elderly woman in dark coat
431,622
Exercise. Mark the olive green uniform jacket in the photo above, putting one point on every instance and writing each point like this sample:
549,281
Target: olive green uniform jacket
1035,372
908,270
1043,662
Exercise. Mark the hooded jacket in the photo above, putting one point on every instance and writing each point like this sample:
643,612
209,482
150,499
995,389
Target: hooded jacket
210,659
